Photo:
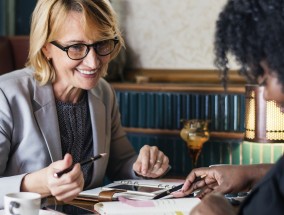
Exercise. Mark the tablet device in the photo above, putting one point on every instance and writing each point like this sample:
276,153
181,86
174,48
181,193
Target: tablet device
136,189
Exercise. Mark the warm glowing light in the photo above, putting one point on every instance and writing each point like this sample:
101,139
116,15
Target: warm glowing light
264,122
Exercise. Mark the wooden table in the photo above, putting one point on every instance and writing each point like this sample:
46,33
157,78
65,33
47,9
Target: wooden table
85,204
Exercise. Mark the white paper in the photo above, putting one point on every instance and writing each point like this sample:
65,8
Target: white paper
160,206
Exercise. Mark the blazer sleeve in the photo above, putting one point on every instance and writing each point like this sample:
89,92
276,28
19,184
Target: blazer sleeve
13,183
10,184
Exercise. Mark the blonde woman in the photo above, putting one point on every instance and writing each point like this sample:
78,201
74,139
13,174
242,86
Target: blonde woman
59,110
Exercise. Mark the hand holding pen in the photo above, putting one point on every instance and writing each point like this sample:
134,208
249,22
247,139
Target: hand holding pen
82,163
176,188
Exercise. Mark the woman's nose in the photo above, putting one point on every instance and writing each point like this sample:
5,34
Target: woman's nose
92,59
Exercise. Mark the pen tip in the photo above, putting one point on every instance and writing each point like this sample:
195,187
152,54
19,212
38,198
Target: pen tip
103,154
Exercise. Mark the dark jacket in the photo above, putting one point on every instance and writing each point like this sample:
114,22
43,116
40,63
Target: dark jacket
268,196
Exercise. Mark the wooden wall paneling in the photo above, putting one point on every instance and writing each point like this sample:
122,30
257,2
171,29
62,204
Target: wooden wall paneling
151,115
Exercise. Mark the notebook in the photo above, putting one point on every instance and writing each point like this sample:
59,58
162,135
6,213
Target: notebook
176,206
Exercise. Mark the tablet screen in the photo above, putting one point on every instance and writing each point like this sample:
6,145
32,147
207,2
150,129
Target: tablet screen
136,188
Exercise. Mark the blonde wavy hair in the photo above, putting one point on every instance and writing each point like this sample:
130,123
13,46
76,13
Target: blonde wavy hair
49,15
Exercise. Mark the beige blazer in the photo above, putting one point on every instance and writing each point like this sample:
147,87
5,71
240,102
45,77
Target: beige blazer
30,138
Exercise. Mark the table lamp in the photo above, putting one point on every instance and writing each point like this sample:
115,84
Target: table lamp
264,122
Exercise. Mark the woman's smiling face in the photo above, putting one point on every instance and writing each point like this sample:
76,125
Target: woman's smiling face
273,89
70,74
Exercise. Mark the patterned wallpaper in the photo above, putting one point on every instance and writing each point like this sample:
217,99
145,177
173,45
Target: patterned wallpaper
171,34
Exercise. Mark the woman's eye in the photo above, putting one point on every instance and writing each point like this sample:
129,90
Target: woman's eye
262,83
77,47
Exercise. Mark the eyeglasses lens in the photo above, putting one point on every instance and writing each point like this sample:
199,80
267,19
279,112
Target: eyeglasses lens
104,47
77,51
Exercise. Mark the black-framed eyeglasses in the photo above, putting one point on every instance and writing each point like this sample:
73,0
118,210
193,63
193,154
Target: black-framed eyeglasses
80,50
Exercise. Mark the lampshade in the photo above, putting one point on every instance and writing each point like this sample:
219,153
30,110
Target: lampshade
264,122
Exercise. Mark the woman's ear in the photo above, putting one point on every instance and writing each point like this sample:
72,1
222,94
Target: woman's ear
46,51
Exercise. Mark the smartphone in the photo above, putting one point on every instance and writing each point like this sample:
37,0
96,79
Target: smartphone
68,209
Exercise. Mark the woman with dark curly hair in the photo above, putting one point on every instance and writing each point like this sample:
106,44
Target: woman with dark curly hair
253,32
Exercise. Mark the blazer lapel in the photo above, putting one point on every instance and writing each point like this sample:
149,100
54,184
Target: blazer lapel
98,117
46,116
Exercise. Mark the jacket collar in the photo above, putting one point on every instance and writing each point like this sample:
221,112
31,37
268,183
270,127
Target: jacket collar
47,119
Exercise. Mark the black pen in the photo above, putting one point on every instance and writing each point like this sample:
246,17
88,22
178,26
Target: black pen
60,173
176,188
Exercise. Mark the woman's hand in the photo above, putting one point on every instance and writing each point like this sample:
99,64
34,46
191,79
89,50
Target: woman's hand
151,162
213,204
223,179
69,185
65,188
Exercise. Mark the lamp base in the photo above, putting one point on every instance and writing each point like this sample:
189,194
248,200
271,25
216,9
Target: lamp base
255,153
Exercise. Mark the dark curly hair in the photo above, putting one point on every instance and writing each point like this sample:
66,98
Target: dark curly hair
252,31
